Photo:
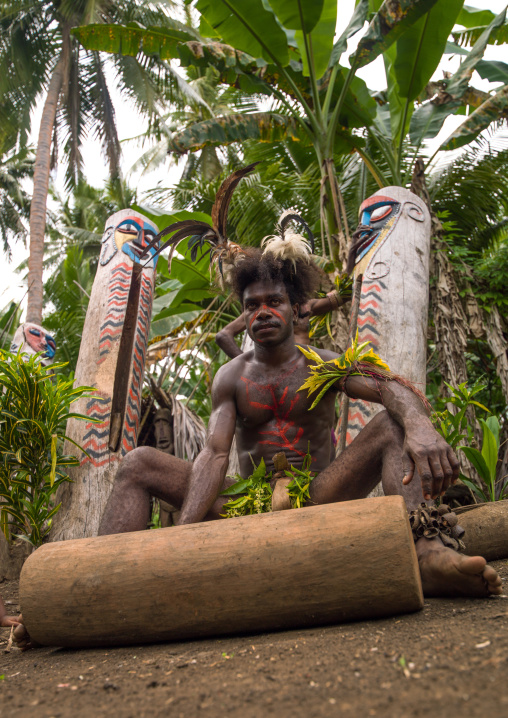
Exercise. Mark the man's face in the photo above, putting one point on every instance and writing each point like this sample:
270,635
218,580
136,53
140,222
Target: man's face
269,315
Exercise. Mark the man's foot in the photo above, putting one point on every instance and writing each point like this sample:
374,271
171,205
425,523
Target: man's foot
445,572
22,637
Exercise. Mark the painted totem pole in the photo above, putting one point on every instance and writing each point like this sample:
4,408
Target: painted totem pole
30,339
112,360
392,263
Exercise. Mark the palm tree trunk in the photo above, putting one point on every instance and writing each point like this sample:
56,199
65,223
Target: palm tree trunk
40,194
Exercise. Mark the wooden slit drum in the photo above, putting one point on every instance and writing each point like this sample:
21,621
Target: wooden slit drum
312,566
486,530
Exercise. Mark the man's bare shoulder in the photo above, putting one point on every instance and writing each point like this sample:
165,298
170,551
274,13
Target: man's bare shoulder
229,374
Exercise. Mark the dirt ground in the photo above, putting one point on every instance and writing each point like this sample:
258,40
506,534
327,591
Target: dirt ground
450,658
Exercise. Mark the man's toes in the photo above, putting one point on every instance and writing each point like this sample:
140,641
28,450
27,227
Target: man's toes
491,576
473,565
495,590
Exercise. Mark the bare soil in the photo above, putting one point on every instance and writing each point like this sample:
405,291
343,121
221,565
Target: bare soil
451,658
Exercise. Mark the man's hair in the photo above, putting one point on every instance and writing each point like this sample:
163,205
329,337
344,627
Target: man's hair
301,278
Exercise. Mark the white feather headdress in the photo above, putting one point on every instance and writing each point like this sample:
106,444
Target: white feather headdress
288,244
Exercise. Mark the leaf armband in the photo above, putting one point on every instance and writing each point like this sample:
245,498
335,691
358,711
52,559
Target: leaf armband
357,360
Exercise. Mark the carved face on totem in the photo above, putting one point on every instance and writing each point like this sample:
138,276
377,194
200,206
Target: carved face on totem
376,213
131,236
269,315
31,339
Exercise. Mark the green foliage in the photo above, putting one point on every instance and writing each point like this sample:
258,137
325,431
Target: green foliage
68,290
485,463
298,489
255,493
456,429
356,360
34,413
10,317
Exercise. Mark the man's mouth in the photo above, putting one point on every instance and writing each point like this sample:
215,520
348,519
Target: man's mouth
264,327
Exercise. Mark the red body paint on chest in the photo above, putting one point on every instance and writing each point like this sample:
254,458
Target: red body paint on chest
285,435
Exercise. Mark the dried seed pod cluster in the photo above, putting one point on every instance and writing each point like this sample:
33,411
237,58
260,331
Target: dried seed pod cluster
432,521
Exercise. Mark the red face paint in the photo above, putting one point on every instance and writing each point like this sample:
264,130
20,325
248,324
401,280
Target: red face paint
266,309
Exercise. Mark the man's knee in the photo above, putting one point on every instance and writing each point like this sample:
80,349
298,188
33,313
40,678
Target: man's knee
134,464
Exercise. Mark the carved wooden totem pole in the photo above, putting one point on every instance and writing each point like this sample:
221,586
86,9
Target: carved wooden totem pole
392,263
32,338
112,360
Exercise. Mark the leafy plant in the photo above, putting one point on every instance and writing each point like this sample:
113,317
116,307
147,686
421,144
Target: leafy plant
455,428
357,359
298,489
34,408
485,463
256,493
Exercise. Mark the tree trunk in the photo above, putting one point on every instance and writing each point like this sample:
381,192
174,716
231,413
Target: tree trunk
498,345
450,321
40,193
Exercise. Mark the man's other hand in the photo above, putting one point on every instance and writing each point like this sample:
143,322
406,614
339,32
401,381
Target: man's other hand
433,458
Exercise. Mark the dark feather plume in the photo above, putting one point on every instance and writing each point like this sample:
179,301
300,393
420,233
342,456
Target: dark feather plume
223,198
215,235
293,217
184,228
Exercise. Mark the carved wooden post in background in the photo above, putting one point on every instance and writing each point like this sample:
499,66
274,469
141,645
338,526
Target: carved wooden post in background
32,338
112,360
394,262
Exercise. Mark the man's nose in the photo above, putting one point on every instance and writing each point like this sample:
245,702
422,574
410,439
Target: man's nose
264,312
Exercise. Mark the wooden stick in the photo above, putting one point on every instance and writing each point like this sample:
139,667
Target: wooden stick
344,400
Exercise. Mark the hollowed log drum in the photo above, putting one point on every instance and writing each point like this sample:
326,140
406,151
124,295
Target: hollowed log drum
318,565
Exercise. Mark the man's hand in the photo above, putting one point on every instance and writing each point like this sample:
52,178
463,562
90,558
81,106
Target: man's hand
433,458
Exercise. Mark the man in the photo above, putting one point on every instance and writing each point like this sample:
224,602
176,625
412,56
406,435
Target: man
256,396
313,308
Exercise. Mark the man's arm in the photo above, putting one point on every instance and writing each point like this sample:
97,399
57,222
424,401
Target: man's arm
209,469
225,338
424,448
323,305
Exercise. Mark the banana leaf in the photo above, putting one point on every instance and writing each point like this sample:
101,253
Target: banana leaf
299,14
490,111
132,38
356,23
320,39
248,25
429,117
261,126
392,19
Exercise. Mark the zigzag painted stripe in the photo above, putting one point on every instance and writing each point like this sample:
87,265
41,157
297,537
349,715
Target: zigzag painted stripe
120,291
131,423
112,326
370,305
366,323
95,440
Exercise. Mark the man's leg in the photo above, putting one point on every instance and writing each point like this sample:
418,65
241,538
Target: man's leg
376,455
143,473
